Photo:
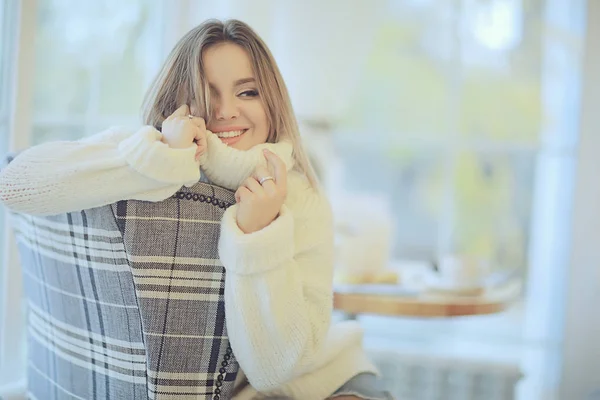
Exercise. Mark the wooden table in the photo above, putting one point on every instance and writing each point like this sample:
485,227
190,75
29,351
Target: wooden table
428,304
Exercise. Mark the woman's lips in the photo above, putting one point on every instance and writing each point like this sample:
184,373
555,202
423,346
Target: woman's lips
229,141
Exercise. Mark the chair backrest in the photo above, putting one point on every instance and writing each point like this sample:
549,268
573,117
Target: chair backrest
126,301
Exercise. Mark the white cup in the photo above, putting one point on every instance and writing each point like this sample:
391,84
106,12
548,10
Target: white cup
456,271
366,251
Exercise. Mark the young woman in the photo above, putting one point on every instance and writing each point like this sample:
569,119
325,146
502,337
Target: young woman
219,106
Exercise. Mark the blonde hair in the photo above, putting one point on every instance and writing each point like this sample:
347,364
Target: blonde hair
181,81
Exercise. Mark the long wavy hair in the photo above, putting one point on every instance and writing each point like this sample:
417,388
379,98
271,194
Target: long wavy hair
181,80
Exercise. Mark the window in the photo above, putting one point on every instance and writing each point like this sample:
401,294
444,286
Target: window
94,61
458,137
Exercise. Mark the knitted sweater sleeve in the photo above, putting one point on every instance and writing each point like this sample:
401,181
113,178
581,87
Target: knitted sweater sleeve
116,164
278,291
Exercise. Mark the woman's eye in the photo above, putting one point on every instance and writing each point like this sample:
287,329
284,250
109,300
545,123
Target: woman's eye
249,93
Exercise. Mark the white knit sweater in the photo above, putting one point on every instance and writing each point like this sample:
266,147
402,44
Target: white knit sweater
278,293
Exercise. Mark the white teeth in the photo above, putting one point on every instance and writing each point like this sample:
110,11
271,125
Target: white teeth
230,134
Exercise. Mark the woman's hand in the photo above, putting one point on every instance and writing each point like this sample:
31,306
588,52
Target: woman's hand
259,205
180,131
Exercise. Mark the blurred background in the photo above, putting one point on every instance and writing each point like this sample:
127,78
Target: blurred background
451,129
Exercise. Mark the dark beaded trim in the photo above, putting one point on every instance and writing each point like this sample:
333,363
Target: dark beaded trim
203,199
222,371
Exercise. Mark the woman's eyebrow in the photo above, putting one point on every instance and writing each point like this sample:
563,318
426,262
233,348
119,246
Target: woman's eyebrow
236,83
243,80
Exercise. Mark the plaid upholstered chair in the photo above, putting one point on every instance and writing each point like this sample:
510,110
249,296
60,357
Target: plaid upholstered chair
126,300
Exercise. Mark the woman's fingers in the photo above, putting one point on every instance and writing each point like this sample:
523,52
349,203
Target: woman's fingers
252,184
279,169
201,131
242,194
268,184
199,122
259,205
182,111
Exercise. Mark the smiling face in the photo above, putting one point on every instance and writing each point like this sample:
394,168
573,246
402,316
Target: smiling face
230,52
238,114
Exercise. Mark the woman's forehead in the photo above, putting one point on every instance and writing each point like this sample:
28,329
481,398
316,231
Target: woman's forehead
227,64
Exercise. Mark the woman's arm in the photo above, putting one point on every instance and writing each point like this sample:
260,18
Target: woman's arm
113,165
278,294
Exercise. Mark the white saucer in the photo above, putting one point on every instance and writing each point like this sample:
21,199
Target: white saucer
433,281
375,289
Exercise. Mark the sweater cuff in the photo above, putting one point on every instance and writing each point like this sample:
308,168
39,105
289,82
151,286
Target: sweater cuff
256,252
146,154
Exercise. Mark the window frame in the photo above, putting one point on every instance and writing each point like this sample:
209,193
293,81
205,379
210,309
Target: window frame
12,323
580,346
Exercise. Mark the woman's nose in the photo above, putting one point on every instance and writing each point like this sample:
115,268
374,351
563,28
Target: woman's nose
226,109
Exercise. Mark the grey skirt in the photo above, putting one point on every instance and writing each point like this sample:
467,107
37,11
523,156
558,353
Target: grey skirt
365,386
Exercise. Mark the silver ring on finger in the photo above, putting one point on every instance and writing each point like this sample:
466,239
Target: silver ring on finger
266,178
190,116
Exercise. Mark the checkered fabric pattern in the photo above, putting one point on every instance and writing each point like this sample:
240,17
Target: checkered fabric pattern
126,301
